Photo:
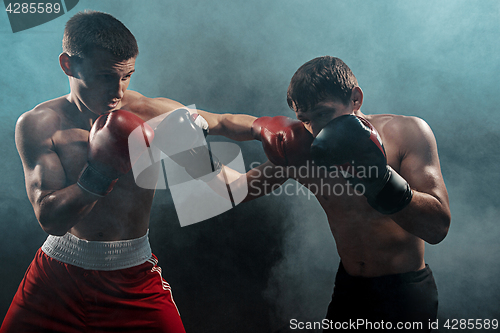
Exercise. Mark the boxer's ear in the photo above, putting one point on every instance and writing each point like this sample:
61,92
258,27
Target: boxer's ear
67,64
356,98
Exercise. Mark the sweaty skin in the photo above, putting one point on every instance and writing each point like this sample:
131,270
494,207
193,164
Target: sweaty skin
52,142
369,243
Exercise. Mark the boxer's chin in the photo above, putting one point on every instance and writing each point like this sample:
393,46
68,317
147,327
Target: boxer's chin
112,105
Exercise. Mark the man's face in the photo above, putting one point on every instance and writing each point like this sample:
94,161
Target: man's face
102,80
322,113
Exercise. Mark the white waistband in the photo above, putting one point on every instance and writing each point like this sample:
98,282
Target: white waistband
103,256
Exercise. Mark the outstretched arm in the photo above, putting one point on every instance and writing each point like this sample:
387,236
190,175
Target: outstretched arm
257,182
237,127
201,163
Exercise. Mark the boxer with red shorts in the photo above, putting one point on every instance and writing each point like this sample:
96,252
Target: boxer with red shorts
102,287
96,271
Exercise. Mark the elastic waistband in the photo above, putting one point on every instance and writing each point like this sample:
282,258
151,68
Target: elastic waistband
416,276
94,255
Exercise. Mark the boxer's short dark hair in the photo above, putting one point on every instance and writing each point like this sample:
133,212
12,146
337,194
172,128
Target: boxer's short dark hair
318,79
89,30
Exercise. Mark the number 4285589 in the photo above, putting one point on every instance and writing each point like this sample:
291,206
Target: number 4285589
33,7
461,324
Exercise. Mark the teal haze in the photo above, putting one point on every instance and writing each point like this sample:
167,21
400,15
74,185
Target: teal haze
255,267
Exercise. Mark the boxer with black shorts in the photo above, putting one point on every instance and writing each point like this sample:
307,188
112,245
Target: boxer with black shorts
393,196
95,272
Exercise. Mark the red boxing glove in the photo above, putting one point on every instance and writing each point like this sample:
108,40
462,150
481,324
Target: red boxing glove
108,150
286,141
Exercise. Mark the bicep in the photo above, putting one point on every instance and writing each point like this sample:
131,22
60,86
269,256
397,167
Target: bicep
234,126
420,165
43,170
154,110
46,175
213,120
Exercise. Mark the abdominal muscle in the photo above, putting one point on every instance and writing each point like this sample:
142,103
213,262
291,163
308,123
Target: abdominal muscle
371,244
121,215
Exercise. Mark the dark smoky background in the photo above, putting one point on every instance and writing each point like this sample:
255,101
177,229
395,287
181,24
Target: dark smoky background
257,266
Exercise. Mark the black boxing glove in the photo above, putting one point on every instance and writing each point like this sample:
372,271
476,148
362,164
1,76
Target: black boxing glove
350,139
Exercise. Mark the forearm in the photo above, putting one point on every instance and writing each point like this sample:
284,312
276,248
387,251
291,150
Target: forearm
245,186
236,127
229,184
58,211
425,217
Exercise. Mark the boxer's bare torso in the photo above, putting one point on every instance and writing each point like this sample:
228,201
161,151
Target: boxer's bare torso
52,141
368,242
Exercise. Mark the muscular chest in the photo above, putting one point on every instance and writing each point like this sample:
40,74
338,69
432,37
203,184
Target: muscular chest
71,146
334,189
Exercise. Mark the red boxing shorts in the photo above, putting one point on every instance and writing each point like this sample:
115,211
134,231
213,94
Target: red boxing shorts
74,285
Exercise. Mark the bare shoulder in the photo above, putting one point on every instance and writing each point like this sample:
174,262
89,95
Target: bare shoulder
406,138
146,107
408,131
35,130
390,123
40,122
